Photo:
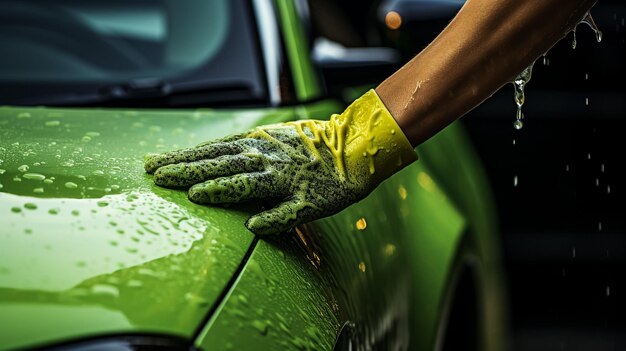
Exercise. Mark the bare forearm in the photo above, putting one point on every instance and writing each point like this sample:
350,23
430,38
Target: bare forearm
485,46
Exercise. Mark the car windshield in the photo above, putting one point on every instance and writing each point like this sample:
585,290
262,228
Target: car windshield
75,52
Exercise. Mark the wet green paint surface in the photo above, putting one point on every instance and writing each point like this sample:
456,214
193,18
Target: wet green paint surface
93,246
89,244
280,302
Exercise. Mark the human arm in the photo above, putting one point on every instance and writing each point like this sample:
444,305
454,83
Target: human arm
484,47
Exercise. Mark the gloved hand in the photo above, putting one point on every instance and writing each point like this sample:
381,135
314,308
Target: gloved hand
315,168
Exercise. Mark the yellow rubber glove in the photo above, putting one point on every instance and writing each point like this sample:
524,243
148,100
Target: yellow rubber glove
314,168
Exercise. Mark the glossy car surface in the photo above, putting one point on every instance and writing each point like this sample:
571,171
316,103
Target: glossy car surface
93,252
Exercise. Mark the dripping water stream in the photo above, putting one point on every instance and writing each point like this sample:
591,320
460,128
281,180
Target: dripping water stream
520,81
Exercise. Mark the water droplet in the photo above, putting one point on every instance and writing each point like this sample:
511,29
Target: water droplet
30,206
22,168
133,283
566,168
597,181
92,134
390,249
71,185
86,138
75,213
48,181
402,192
362,266
105,289
34,176
2,171
28,231
515,181
599,226
588,20
23,115
608,189
519,83
261,326
98,173
602,168
587,101
586,76
148,272
243,299
16,209
608,291
589,156
53,211
38,190
361,224
513,141
53,123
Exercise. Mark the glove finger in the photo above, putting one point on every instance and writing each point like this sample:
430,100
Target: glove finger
283,217
207,151
190,173
226,139
236,188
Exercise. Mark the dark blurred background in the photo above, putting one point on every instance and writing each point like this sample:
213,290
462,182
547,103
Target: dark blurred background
558,182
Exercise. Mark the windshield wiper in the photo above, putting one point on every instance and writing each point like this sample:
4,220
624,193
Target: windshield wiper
153,92
138,88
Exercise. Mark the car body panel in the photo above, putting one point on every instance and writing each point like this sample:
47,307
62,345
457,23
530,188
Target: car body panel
87,235
305,79
353,267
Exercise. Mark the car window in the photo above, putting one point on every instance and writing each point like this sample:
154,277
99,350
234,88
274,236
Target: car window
53,48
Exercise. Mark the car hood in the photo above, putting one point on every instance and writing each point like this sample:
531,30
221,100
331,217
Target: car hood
89,245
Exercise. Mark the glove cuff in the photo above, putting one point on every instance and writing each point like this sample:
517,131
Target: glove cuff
375,146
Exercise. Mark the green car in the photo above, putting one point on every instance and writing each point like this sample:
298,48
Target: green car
94,256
